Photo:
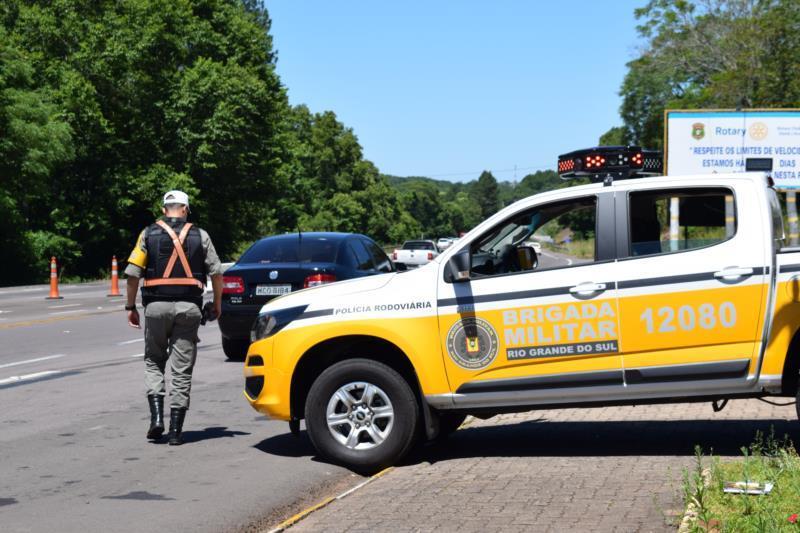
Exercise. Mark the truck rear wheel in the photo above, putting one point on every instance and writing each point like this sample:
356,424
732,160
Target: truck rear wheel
363,414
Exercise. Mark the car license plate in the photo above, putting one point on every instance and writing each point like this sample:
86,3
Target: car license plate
272,290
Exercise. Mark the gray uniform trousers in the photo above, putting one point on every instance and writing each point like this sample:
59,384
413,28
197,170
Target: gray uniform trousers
170,332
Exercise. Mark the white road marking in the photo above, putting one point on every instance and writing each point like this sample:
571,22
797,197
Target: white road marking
63,305
138,355
96,428
14,379
66,312
32,289
568,261
36,360
123,343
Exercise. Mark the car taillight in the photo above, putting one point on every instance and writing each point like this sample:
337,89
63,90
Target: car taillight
394,255
232,285
315,280
430,256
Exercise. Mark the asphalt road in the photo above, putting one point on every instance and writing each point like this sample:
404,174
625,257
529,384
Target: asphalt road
551,259
73,453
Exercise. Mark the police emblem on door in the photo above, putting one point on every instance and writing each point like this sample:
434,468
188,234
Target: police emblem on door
472,343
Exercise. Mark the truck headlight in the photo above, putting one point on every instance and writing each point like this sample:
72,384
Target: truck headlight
262,327
268,324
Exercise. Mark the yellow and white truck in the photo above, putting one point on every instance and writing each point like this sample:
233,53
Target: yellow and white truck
655,289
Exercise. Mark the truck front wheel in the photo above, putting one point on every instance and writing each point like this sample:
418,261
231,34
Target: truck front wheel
361,413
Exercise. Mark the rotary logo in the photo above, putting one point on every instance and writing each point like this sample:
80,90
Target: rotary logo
472,343
758,131
698,130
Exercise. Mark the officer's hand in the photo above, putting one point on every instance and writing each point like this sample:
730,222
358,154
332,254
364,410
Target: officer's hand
218,308
133,319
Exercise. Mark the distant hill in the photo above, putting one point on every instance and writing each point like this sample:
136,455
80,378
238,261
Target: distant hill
508,191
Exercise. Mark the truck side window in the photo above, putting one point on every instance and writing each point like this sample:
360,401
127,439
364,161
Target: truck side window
668,221
558,234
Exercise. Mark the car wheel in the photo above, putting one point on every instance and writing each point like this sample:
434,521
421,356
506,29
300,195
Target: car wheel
363,414
449,423
235,349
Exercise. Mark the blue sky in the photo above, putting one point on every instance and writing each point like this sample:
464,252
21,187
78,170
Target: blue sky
449,88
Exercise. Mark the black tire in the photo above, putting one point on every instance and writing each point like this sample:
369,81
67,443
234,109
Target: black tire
449,423
235,349
404,405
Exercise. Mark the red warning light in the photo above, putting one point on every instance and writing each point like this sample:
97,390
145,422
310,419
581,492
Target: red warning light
614,162
594,161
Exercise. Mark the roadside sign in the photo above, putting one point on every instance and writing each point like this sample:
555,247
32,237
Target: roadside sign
704,142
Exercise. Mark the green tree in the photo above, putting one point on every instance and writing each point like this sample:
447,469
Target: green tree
34,141
152,93
486,193
539,181
710,54
616,136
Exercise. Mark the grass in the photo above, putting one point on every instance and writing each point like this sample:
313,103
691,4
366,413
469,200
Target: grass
766,460
579,249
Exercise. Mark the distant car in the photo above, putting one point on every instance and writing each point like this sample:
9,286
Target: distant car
281,264
444,243
415,253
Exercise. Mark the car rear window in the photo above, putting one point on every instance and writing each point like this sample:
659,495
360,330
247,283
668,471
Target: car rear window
302,250
418,245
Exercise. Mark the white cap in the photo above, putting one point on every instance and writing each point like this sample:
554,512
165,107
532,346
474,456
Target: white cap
176,197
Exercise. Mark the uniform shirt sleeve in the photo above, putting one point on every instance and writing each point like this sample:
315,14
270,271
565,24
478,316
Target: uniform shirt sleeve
213,265
137,261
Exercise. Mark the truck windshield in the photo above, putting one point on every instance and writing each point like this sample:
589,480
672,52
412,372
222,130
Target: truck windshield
292,250
418,245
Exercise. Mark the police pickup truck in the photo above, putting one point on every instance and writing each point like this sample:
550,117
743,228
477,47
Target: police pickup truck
675,289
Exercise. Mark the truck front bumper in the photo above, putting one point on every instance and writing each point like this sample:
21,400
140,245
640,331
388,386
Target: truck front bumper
266,388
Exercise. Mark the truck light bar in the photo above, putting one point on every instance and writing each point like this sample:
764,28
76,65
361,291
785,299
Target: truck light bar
610,162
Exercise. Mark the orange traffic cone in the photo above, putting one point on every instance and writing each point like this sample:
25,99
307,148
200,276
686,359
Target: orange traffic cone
114,278
53,281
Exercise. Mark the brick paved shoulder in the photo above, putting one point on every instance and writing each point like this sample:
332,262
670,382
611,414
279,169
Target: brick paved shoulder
604,469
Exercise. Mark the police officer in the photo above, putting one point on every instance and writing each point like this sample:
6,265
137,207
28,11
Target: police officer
175,256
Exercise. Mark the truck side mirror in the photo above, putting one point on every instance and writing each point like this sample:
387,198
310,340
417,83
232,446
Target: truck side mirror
460,265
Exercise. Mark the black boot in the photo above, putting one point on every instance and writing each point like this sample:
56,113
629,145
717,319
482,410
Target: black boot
176,416
156,416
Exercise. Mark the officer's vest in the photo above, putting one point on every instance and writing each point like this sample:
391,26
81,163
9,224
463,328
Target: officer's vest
174,273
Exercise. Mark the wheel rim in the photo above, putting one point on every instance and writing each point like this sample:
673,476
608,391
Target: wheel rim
360,415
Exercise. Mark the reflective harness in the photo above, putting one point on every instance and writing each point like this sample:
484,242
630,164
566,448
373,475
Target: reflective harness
177,253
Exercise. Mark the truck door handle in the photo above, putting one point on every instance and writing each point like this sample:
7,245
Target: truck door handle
733,273
588,289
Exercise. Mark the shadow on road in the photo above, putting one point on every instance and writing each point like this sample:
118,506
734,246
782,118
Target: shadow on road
618,438
210,433
287,445
575,439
